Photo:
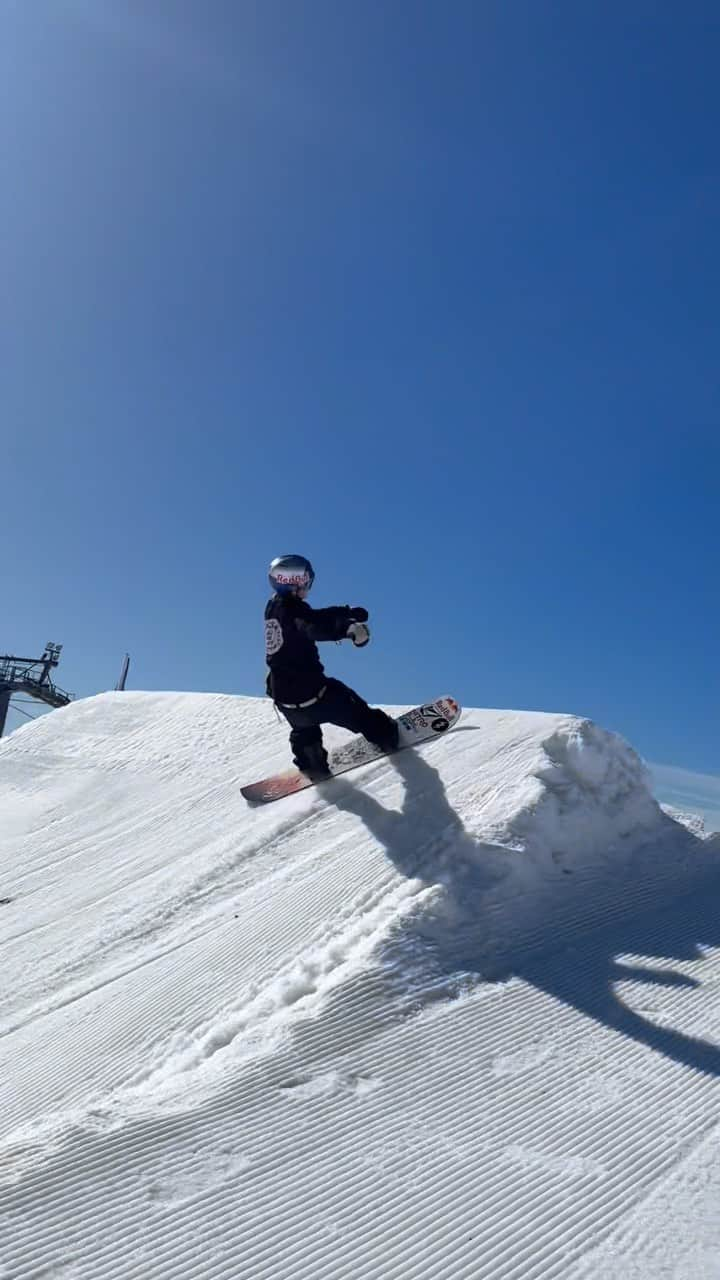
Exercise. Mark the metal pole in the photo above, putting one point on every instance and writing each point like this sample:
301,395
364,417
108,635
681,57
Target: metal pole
4,704
120,686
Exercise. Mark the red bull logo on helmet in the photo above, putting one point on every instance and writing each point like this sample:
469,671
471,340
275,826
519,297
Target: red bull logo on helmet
295,578
290,574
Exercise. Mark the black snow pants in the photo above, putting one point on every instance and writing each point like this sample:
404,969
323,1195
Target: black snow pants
342,706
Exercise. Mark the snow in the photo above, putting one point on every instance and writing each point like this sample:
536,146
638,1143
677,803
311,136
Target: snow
454,1016
688,792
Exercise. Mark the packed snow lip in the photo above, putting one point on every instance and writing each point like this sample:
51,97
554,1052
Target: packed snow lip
470,985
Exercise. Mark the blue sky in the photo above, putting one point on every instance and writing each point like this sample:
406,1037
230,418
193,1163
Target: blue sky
426,292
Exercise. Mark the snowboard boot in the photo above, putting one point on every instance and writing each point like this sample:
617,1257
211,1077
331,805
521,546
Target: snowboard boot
313,762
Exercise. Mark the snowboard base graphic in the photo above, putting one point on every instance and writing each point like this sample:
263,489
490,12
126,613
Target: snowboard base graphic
428,721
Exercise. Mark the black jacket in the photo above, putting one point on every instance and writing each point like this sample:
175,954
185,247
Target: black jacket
292,627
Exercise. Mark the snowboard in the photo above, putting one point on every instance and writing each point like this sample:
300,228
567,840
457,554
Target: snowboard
428,721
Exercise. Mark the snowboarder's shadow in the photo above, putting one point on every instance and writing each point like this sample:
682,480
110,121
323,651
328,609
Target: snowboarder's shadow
420,837
603,986
426,841
453,934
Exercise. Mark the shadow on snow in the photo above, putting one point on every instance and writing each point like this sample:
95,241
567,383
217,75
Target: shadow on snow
460,933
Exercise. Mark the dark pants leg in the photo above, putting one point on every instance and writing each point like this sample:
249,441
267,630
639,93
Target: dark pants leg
342,706
306,741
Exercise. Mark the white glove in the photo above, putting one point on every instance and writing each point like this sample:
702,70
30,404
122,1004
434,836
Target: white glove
359,633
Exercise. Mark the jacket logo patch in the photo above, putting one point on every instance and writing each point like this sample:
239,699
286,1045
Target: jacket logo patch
273,637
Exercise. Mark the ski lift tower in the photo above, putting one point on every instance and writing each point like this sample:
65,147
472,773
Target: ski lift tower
32,676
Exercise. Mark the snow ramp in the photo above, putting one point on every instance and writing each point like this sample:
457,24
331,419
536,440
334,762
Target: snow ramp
403,1024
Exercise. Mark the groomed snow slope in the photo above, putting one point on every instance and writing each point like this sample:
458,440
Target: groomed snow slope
453,1015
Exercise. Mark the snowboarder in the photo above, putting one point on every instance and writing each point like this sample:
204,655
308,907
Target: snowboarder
296,679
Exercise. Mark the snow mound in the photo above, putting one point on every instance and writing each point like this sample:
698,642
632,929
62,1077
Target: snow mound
694,822
124,810
166,948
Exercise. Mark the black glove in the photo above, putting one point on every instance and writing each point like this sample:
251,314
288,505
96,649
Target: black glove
358,613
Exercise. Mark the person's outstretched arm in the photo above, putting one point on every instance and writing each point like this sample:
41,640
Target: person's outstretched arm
328,624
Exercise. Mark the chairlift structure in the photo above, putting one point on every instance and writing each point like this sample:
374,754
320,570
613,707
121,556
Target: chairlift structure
30,676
